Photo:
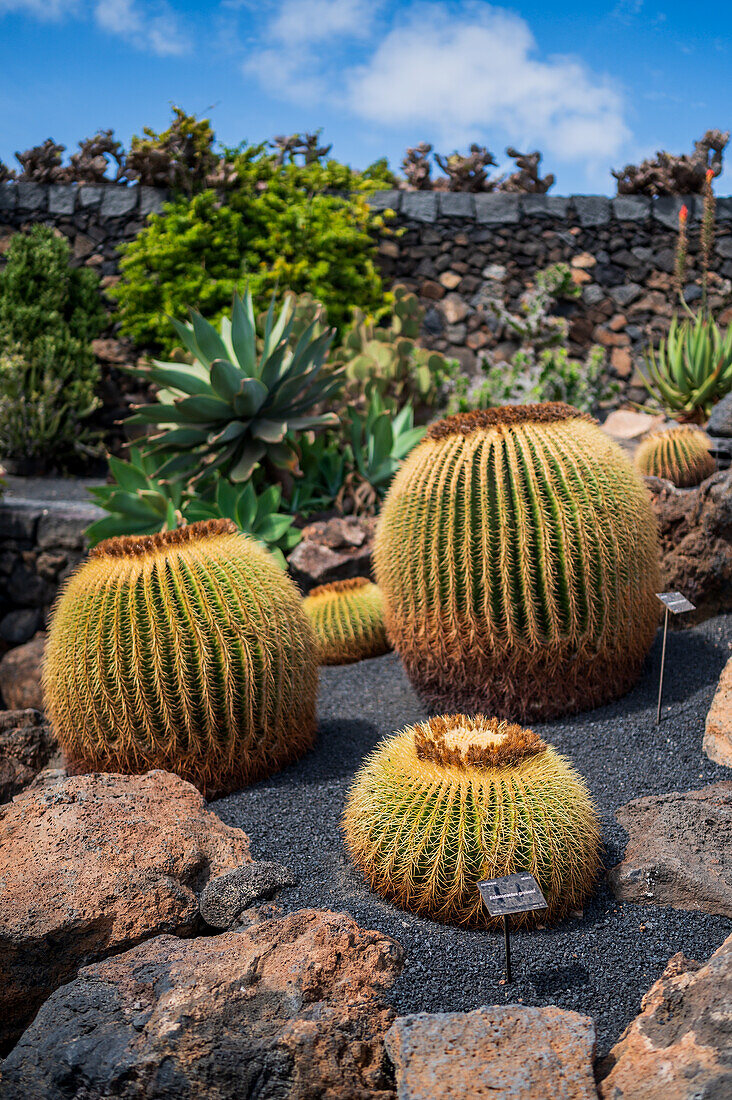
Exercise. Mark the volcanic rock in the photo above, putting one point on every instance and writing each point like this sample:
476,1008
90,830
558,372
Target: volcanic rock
695,529
679,1047
26,746
332,550
92,864
290,1007
507,1051
225,897
679,850
718,730
20,675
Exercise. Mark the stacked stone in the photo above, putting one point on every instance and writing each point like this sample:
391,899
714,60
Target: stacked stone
95,218
40,544
459,251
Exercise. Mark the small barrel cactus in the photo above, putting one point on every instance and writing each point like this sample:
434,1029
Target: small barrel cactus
517,554
348,620
680,454
187,651
454,800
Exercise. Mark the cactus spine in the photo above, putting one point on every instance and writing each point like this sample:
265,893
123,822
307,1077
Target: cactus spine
348,620
680,454
187,651
448,802
517,554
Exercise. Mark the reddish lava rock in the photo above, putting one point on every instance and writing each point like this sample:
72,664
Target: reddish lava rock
679,1047
90,865
291,1007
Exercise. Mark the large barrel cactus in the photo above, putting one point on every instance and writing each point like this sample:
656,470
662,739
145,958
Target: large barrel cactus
348,620
454,800
679,454
517,555
187,651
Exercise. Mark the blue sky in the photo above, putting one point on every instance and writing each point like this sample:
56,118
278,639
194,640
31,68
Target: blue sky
591,84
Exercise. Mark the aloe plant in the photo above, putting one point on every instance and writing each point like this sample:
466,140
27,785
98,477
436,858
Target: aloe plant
692,369
233,406
255,515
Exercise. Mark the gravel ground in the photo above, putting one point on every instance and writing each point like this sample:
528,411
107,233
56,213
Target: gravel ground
601,964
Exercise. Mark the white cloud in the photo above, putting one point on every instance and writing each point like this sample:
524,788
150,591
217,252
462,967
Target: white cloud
146,26
455,72
151,26
477,70
293,62
47,10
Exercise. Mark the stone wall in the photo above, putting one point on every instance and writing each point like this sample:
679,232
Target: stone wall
457,251
41,542
95,218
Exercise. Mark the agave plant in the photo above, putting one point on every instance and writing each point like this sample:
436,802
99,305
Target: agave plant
692,369
233,406
140,502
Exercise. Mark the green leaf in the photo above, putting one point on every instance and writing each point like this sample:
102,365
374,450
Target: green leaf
247,460
251,396
271,431
272,528
226,379
209,342
126,476
243,334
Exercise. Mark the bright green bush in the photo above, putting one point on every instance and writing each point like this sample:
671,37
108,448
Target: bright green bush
279,226
49,312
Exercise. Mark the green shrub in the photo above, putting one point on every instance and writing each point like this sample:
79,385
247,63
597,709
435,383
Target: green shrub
43,403
278,225
49,313
42,295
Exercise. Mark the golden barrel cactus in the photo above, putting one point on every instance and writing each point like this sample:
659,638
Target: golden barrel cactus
187,651
680,454
454,800
517,554
348,620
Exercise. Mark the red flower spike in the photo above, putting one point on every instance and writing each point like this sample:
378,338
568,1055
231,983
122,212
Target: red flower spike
683,215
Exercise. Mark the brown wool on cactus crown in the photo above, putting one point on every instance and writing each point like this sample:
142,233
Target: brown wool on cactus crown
505,416
135,546
339,586
458,741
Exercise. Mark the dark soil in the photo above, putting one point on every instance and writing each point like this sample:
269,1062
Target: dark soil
600,964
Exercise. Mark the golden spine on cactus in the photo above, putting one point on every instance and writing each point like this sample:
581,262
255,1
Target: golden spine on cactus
348,620
680,454
517,554
187,651
454,800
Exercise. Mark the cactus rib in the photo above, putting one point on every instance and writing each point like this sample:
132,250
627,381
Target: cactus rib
681,455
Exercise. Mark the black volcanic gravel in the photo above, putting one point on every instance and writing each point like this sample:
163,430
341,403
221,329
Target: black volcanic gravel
601,964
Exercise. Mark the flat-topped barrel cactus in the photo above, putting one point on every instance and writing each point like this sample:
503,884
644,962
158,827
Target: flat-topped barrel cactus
348,620
187,651
517,554
679,454
454,800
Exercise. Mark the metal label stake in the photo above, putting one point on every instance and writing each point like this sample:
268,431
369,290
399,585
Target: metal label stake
676,604
518,893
